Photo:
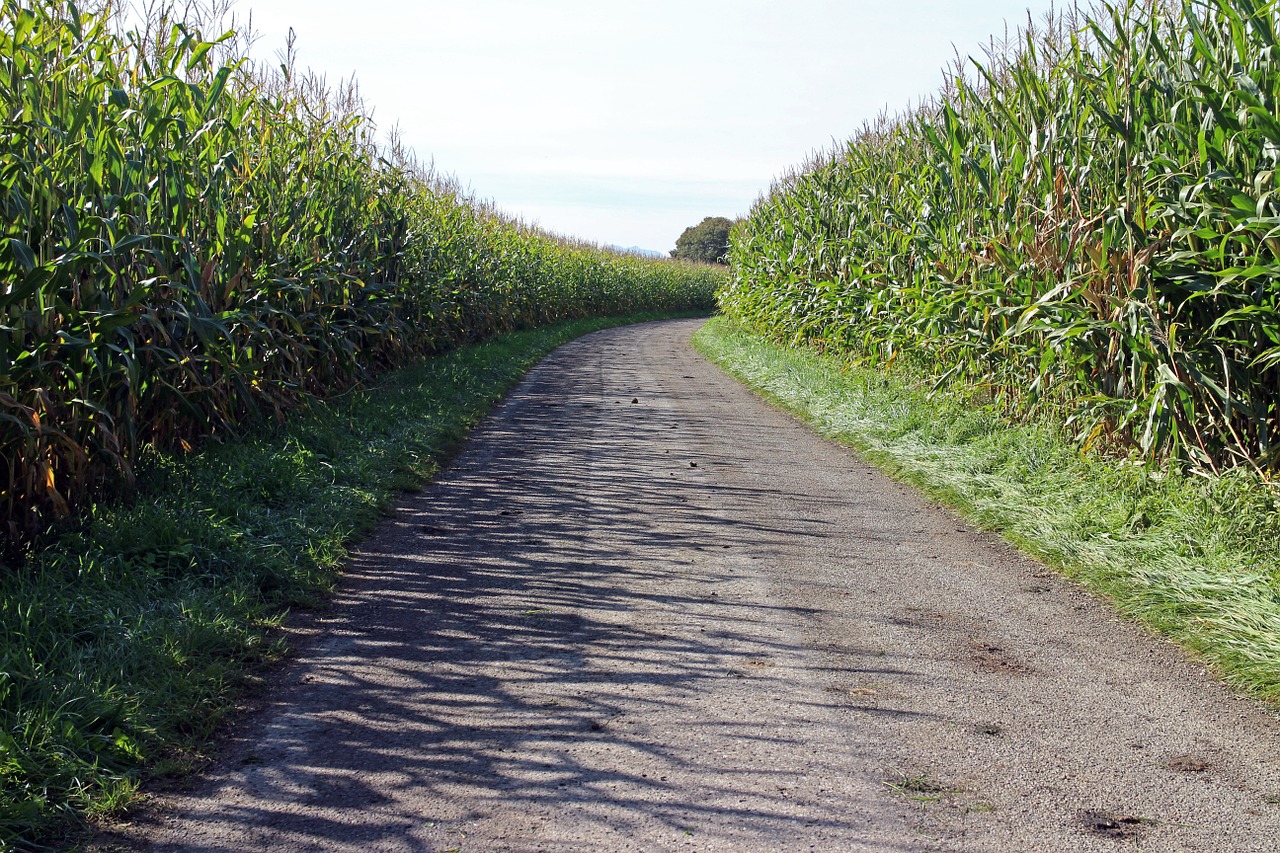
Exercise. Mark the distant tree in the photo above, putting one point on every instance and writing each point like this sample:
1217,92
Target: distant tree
708,241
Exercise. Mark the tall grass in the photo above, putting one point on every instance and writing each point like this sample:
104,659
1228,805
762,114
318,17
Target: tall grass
192,244
1084,218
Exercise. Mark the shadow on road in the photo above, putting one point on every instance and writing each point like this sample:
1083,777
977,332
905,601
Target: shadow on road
569,634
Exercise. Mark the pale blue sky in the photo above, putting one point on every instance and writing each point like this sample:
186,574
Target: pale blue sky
624,123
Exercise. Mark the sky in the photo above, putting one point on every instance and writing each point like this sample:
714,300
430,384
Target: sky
620,122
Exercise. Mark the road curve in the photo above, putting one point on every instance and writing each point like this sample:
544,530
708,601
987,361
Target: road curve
645,611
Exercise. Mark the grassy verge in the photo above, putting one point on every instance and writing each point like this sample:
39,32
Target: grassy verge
123,643
1197,559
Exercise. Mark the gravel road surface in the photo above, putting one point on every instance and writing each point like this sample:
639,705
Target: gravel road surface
645,611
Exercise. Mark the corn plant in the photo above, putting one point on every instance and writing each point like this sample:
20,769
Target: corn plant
1083,218
192,245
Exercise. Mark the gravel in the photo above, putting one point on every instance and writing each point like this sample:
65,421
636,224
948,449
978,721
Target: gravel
644,611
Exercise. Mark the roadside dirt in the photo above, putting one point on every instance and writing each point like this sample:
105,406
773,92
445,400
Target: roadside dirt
644,611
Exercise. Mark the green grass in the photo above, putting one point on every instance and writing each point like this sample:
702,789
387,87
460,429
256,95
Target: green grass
126,641
1197,558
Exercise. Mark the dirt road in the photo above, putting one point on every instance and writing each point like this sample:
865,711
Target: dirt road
644,611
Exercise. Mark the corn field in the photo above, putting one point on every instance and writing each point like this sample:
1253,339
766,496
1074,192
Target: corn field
1084,218
192,245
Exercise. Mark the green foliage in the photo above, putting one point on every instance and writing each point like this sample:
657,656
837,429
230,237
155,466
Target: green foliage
1085,220
1194,557
127,640
188,247
707,242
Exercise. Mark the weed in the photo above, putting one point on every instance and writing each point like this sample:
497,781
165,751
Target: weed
919,788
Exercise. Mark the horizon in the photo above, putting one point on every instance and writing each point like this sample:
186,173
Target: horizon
611,126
